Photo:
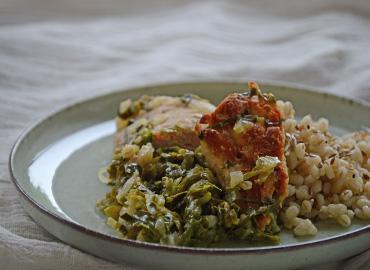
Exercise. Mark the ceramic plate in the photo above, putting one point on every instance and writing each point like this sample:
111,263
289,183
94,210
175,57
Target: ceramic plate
54,165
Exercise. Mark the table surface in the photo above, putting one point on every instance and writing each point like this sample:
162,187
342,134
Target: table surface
53,53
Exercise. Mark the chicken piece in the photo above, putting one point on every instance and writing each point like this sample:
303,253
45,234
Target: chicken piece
169,121
242,129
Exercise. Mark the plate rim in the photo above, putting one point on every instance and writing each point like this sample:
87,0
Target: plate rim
176,249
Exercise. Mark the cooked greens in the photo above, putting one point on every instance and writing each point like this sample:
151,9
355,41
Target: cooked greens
174,199
264,167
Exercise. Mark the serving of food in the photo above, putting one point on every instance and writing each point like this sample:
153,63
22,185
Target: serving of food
185,172
241,181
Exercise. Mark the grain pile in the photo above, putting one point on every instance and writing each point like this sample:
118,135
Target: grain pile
329,175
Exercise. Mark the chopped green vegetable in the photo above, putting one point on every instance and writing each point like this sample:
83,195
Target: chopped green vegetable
175,200
243,125
264,167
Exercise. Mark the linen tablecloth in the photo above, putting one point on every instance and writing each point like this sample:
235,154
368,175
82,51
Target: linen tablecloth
53,53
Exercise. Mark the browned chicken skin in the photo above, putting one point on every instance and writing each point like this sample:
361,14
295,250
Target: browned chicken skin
228,148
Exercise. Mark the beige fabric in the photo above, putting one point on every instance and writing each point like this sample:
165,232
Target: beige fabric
55,52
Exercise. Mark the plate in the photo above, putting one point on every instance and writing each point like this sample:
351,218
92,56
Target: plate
54,166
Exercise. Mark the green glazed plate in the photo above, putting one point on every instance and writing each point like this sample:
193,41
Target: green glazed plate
54,166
